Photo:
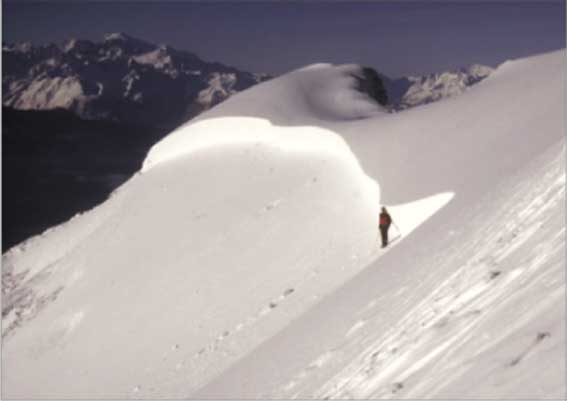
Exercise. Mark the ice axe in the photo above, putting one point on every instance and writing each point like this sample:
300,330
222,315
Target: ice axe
398,230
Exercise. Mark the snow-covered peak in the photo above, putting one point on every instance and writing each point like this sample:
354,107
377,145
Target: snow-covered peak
78,45
117,37
414,91
165,48
120,44
479,70
22,47
158,58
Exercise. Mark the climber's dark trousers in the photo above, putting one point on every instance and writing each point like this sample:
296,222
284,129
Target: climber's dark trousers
384,235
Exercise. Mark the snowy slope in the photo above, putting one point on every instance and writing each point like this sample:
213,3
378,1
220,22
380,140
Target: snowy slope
478,313
242,261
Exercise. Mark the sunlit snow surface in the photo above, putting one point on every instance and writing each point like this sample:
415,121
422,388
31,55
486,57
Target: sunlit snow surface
243,260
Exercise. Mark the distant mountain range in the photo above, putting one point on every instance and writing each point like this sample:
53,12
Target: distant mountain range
120,78
129,80
414,91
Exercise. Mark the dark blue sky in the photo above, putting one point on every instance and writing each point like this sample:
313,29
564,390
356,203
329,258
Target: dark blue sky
397,38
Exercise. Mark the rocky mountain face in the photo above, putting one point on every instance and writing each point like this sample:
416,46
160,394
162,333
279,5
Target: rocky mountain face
120,79
372,84
414,91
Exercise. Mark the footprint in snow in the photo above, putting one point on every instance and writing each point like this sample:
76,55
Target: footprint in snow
272,305
357,326
320,361
272,205
472,313
397,387
443,322
286,293
375,355
493,274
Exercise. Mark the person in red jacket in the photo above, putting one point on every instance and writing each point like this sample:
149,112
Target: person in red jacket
384,225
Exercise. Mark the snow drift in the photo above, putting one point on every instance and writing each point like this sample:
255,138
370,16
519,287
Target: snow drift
225,268
302,98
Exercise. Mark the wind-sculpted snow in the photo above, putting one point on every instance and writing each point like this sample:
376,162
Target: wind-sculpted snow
287,112
243,260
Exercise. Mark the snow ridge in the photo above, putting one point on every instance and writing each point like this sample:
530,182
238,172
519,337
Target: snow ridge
320,92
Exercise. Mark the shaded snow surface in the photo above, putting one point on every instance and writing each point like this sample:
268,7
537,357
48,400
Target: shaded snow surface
242,262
